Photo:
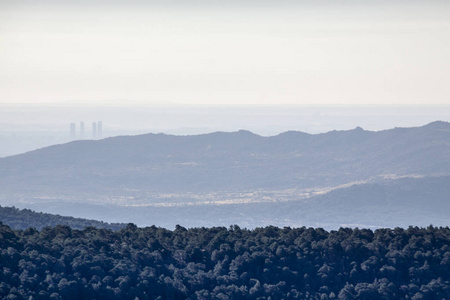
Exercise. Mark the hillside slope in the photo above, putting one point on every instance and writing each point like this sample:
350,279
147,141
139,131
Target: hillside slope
24,218
392,203
241,178
228,161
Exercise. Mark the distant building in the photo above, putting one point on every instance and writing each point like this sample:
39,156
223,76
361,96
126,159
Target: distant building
99,129
72,131
81,130
94,130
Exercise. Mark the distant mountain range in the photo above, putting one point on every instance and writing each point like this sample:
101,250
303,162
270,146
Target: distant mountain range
320,173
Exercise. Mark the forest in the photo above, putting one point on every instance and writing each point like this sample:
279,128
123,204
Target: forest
224,263
25,218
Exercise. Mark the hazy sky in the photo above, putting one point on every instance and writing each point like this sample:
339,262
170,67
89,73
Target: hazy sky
225,52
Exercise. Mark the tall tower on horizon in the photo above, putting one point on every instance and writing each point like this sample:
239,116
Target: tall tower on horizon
72,130
94,130
99,129
81,130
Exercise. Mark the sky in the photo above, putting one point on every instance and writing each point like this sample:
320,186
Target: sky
225,52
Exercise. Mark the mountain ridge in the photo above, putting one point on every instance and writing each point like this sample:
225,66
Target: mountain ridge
291,133
221,167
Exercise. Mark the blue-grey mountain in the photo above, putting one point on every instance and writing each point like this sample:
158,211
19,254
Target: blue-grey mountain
219,171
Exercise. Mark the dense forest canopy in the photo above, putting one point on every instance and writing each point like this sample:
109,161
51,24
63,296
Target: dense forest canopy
224,263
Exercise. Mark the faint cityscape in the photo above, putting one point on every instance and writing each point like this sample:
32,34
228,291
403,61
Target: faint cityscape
28,127
97,131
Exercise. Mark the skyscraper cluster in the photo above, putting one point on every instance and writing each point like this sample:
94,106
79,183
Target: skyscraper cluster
97,131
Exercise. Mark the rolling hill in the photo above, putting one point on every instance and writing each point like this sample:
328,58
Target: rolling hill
161,171
20,219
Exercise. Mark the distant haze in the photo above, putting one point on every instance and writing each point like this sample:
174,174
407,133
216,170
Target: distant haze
225,52
396,177
26,127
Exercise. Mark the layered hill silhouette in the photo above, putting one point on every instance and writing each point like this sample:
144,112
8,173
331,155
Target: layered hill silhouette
157,168
24,218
